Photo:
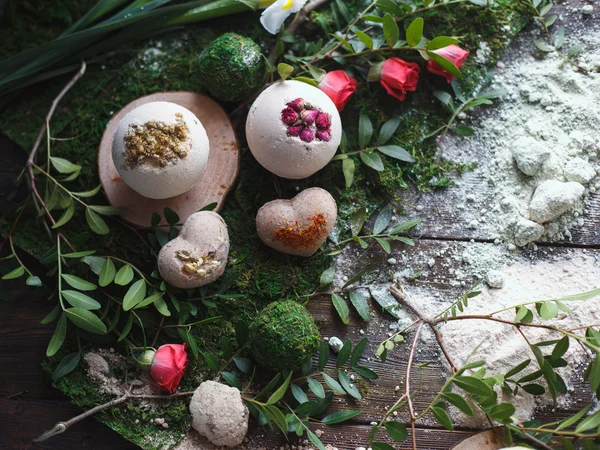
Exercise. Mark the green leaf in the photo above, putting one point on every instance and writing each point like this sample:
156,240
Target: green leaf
78,254
32,280
171,216
106,210
210,359
359,301
280,392
344,42
340,416
107,274
124,275
387,130
383,219
333,384
323,355
414,32
534,389
67,365
560,348
344,354
385,245
161,306
365,39
315,440
86,320
518,368
126,328
155,220
595,374
405,226
307,81
444,97
548,310
95,222
231,379
358,351
365,131
575,50
592,421
473,386
135,294
51,317
442,417
522,312
348,167
543,45
64,166
58,337
558,40
277,416
284,70
373,160
463,130
341,307
90,193
316,387
365,372
396,430
502,412
94,262
327,277
299,394
441,42
67,215
348,386
357,220
445,64
78,283
573,419
80,300
390,30
455,399
15,273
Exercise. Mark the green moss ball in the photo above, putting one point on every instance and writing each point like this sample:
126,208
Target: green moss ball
283,336
231,67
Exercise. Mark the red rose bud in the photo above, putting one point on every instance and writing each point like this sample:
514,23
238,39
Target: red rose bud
399,76
308,116
324,135
323,121
297,105
168,366
339,87
307,135
289,116
295,130
452,53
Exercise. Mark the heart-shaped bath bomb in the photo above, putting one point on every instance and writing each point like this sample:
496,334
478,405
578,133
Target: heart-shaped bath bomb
198,256
298,226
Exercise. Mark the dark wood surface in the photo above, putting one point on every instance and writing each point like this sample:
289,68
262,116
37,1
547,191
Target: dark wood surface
29,404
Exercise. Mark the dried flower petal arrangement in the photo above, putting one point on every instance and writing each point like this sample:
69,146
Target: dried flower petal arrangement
306,122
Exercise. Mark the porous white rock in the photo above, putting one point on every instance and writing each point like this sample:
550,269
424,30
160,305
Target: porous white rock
527,231
494,279
148,177
552,198
219,414
272,145
587,10
579,170
197,256
529,154
336,344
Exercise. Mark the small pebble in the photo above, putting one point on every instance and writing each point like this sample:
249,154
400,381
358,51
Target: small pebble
335,343
587,10
392,261
361,331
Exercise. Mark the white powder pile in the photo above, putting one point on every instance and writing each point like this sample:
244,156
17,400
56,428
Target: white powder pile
539,149
503,347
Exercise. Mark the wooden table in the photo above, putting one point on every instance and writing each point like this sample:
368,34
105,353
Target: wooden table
29,405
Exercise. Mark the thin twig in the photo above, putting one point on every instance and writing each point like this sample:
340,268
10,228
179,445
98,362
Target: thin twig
411,410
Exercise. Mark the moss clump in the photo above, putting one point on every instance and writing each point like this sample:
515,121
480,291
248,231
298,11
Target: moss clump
283,336
231,67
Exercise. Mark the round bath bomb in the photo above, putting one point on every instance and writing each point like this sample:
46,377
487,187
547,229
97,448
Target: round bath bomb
197,256
298,226
231,67
160,149
293,129
219,414
283,336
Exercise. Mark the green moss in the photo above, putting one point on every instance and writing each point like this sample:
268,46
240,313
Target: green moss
231,67
283,336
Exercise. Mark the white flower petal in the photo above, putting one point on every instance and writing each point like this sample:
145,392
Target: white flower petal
273,17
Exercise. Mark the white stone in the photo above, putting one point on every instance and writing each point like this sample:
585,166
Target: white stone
494,279
335,343
267,135
552,198
219,414
176,177
527,231
392,261
587,10
529,154
580,171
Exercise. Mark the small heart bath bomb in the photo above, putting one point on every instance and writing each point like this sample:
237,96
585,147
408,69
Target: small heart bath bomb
198,256
298,226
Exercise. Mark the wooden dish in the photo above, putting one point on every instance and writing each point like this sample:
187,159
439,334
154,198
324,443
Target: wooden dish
217,180
486,440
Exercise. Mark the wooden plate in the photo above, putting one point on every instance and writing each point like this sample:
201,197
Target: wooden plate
221,172
487,440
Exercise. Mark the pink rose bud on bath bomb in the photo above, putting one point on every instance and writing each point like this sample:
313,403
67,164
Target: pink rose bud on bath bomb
282,147
169,366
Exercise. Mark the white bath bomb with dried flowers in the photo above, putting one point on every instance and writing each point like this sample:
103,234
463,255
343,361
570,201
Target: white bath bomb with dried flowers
293,129
160,149
197,256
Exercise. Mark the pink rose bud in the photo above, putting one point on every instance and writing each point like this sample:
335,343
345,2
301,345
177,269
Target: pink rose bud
297,105
323,121
295,130
324,135
452,53
308,116
307,135
289,116
168,366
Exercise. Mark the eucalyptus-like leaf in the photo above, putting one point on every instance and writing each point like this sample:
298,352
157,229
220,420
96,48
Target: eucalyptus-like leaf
80,300
126,329
86,320
89,193
383,219
390,30
15,273
78,283
124,275
315,440
280,392
387,130
107,274
162,307
442,417
58,337
316,387
348,167
106,210
396,430
365,39
340,416
414,32
171,216
67,215
341,307
348,386
327,276
135,294
365,130
95,222
543,45
445,64
323,355
359,301
333,384
78,254
299,394
372,159
64,166
458,401
67,365
441,42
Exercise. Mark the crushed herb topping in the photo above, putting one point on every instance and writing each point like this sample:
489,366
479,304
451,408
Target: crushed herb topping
156,142
201,267
298,237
